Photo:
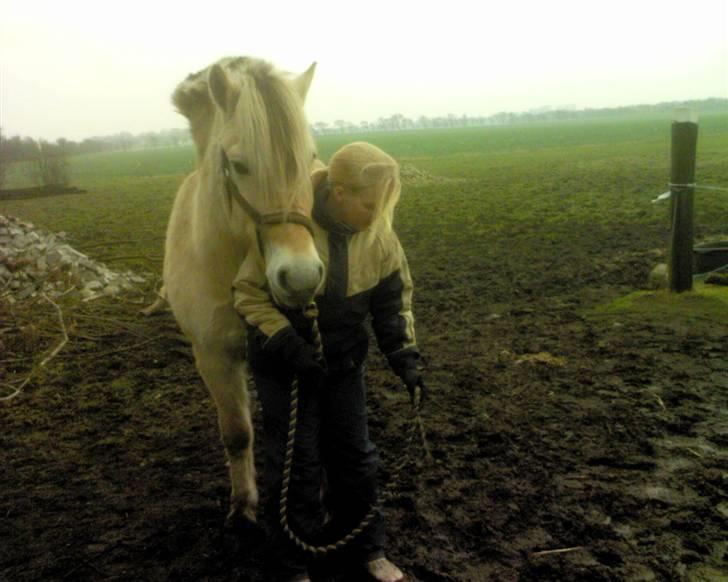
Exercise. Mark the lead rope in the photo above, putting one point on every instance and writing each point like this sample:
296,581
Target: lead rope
417,426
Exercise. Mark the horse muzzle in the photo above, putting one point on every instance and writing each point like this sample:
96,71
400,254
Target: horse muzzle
295,284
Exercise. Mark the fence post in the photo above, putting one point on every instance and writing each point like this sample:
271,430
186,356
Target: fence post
682,176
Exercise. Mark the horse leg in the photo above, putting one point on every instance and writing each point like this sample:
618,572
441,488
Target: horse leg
158,306
226,380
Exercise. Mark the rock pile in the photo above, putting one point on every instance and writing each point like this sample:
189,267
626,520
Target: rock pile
33,261
410,174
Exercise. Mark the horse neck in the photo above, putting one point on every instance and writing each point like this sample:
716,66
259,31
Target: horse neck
220,245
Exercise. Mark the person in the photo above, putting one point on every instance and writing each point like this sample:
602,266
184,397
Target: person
366,274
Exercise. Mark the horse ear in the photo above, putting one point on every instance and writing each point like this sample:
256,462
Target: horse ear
219,87
303,81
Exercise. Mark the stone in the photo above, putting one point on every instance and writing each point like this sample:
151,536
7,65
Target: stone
54,258
658,277
26,291
93,286
32,261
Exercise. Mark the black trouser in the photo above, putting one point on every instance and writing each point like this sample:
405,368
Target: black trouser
332,436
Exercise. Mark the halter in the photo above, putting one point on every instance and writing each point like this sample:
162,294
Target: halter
260,219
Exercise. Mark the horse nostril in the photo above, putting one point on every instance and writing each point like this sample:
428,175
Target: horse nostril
321,272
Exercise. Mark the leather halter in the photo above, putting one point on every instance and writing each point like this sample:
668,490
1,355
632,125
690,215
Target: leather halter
260,219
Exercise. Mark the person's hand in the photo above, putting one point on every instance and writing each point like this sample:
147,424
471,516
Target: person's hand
307,364
406,365
305,359
415,384
296,352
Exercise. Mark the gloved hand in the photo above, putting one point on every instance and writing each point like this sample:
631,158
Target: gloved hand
296,352
413,380
405,365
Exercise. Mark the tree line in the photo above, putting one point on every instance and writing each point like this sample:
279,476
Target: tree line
49,164
399,122
17,148
46,163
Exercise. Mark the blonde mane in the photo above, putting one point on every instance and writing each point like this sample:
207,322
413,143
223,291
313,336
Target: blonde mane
267,115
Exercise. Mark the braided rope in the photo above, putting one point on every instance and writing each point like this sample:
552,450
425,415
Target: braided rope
417,426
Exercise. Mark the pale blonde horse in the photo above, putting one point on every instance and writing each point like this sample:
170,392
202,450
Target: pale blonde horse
251,187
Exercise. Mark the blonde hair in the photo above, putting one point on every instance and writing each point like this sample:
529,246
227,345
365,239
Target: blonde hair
361,165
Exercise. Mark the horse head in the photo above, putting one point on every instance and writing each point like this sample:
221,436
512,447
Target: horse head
262,150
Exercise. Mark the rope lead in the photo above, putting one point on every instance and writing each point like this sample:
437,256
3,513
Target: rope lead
417,426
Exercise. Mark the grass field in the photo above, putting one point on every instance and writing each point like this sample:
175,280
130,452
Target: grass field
484,191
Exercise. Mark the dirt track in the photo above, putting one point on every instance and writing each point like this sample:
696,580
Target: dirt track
610,445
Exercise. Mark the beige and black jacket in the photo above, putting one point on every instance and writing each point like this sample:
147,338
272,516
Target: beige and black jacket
366,275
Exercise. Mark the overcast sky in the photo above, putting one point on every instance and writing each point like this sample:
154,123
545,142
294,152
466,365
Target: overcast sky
78,69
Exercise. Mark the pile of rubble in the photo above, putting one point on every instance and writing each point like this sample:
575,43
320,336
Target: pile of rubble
412,175
33,261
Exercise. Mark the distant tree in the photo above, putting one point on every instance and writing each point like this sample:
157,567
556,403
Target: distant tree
123,141
149,139
66,147
320,127
17,148
92,145
341,124
395,121
501,118
50,168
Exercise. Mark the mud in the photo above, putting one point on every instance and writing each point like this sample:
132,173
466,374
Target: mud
564,447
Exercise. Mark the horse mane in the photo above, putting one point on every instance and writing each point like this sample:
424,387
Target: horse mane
273,121
192,99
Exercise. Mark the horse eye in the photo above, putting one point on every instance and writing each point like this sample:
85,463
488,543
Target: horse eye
314,155
241,168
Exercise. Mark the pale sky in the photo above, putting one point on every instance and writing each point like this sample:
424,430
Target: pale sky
77,69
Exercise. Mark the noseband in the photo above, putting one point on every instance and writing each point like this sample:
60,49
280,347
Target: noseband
260,219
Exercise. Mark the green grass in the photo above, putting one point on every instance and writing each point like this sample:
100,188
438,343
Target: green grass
475,150
704,302
90,169
506,211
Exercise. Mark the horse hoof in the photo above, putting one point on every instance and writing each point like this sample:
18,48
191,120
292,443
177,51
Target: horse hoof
240,517
157,307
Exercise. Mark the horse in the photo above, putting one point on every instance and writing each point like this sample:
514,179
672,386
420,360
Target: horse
250,192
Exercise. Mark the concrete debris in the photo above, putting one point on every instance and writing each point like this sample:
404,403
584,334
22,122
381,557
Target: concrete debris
412,175
34,261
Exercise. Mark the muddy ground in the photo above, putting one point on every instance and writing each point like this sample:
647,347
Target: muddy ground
565,447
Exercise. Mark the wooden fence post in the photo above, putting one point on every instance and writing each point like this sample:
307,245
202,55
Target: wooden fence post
682,177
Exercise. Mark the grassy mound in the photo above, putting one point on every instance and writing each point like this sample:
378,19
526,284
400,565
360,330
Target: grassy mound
703,303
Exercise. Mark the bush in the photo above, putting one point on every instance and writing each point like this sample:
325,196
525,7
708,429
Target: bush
50,168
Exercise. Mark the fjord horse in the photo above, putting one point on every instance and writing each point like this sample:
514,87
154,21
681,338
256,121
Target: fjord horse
251,188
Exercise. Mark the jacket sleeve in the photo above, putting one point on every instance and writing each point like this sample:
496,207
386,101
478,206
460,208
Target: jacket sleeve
252,299
391,305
